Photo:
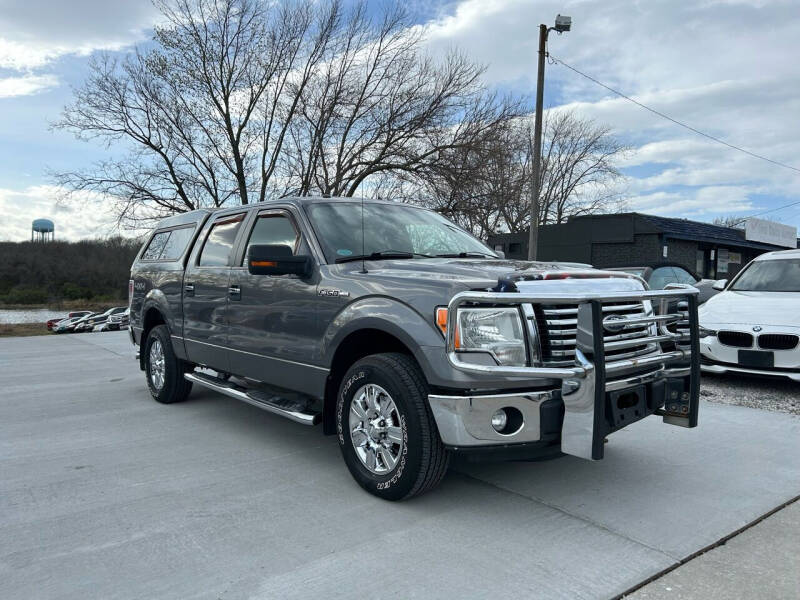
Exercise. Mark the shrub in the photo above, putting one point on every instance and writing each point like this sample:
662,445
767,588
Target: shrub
23,294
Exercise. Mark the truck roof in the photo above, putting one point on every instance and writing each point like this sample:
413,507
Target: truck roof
193,216
200,215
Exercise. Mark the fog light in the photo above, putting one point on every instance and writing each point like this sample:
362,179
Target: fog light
499,420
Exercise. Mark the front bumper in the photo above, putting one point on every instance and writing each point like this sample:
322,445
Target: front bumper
597,397
717,357
719,368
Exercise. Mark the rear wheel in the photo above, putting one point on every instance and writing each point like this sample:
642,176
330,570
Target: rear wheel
386,431
164,370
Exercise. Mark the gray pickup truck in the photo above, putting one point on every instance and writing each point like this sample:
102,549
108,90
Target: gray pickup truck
406,337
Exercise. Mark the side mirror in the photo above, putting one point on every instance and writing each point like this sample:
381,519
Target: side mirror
266,259
719,284
500,253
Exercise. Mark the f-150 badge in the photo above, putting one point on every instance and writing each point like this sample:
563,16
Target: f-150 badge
333,293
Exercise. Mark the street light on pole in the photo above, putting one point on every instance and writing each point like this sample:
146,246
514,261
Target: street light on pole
562,24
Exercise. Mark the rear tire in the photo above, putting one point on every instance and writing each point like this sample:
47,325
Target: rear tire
383,405
163,369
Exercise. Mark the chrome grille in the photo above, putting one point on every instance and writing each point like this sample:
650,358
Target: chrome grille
557,326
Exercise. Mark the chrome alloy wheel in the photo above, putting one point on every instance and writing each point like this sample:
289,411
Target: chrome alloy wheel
375,429
157,367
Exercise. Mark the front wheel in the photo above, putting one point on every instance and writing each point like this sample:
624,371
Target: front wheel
386,431
164,370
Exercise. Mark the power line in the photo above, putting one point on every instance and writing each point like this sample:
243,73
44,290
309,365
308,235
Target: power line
774,209
684,125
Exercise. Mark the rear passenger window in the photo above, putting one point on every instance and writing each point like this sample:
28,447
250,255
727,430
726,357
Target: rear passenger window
168,245
177,242
156,246
219,243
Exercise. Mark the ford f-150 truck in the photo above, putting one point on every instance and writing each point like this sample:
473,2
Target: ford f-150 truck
406,337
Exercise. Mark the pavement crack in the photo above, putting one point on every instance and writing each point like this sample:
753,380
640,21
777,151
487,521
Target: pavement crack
720,542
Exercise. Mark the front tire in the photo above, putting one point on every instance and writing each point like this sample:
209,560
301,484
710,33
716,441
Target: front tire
164,370
387,434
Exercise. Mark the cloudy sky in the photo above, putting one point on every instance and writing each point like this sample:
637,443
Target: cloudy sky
726,67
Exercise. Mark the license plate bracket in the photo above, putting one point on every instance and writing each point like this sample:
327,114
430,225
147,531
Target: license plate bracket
756,359
628,406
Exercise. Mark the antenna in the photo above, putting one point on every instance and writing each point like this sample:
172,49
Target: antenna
363,249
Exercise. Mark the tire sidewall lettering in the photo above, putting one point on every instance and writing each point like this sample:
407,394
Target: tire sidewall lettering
347,386
340,404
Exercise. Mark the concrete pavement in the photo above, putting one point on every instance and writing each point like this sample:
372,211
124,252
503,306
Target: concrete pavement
761,562
106,494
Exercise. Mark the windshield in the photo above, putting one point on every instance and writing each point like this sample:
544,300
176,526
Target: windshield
388,228
770,276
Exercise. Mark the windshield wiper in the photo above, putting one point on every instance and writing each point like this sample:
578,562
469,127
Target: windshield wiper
466,255
382,255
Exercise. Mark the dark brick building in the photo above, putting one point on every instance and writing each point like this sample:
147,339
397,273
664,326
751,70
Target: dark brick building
635,239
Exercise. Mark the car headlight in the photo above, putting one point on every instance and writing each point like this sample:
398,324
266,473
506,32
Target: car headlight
498,331
703,332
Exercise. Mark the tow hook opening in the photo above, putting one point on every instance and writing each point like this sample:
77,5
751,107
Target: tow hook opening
627,400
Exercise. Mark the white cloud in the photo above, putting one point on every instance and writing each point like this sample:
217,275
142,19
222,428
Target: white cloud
32,35
26,85
702,62
83,217
701,203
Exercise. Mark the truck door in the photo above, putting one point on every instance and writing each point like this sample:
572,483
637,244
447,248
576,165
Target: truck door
272,318
206,293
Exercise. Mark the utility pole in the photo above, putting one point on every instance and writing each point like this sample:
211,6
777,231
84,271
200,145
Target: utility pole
562,24
533,233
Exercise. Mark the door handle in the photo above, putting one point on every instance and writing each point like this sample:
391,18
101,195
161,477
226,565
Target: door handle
189,289
235,292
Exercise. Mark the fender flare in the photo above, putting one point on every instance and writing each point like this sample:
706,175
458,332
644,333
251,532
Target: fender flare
389,316
156,300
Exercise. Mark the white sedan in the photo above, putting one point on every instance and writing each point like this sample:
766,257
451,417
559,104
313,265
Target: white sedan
754,325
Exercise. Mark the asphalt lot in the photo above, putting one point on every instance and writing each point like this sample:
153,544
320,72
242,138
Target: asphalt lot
106,494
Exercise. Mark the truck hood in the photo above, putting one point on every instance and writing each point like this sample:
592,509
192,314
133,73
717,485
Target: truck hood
485,273
751,308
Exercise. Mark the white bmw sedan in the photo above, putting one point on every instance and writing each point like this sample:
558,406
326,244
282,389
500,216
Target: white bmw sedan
754,325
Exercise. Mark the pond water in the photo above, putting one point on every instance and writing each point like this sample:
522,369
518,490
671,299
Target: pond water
37,315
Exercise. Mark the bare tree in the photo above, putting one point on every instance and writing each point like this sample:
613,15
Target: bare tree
205,114
488,187
730,221
579,175
381,105
239,100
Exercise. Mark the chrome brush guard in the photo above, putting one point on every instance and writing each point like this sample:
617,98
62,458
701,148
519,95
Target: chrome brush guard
591,386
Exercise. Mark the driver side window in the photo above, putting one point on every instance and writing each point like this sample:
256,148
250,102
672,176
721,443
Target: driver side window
273,230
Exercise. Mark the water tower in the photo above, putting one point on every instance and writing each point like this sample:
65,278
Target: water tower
43,230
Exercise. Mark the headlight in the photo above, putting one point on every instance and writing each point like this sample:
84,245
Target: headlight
498,331
703,332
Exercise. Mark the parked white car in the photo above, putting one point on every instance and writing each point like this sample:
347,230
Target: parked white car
753,326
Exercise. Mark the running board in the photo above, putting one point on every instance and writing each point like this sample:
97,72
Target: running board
292,410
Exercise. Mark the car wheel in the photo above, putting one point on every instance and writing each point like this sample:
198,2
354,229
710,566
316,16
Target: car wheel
386,431
164,370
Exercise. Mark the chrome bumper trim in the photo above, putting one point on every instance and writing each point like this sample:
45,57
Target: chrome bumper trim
466,420
634,380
